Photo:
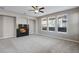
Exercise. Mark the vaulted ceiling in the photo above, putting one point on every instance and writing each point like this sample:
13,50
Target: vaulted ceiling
25,9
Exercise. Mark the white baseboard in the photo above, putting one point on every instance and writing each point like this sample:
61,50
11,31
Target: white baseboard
1,38
60,38
54,37
6,37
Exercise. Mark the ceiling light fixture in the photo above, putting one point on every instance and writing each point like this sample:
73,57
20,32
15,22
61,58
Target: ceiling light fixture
36,11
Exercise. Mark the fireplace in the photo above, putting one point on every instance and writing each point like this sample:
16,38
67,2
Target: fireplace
22,30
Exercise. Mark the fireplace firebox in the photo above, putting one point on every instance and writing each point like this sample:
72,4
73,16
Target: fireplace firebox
22,30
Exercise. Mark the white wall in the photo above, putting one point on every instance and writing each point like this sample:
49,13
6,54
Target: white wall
73,25
8,27
1,26
31,27
36,24
20,19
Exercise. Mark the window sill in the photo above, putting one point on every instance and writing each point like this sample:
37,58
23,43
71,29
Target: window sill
51,31
44,30
62,32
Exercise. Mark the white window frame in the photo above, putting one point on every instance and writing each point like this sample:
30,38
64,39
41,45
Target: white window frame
55,23
66,24
41,24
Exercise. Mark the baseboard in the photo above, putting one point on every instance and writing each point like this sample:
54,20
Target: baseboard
49,37
60,38
1,38
6,38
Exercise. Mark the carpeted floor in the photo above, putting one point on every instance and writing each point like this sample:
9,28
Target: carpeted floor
37,44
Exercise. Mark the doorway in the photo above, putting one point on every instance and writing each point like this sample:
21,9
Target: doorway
32,27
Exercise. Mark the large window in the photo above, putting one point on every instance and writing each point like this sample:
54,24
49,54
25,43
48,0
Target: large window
62,23
55,23
44,23
51,23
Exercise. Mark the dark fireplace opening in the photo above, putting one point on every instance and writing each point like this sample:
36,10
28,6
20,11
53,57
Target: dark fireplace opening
22,30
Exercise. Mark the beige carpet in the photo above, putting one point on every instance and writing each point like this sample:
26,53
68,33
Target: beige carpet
37,44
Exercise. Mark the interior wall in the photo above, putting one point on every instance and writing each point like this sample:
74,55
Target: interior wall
20,19
73,25
1,26
78,25
36,23
31,27
8,26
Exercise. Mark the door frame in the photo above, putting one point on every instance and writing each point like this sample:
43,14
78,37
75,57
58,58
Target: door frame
34,25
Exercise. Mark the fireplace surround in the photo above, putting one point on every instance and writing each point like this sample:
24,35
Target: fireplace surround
22,30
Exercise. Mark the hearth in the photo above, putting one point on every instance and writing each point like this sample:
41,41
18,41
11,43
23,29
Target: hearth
23,30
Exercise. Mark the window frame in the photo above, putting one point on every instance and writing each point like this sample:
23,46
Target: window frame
55,23
66,23
41,24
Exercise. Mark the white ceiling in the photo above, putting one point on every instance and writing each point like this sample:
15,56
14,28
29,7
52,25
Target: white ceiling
47,10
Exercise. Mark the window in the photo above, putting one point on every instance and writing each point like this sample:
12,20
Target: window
51,23
62,24
44,23
54,23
